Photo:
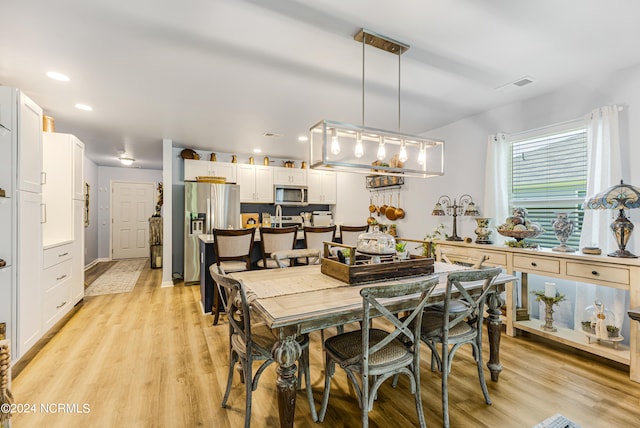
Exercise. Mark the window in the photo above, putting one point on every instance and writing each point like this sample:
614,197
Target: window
549,176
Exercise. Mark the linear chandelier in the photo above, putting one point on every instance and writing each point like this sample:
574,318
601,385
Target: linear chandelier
340,146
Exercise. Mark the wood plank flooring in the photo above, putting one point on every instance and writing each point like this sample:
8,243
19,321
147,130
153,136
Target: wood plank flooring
149,358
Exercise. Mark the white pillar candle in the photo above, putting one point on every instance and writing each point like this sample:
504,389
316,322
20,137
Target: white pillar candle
158,261
549,290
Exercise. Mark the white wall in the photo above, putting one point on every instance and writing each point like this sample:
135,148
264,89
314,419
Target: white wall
91,232
105,176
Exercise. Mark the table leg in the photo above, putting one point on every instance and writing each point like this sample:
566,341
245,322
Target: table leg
286,352
494,323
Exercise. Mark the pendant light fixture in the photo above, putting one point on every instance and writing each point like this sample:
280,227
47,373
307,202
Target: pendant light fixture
342,146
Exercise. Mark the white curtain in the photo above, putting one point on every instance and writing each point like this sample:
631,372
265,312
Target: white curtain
604,170
496,183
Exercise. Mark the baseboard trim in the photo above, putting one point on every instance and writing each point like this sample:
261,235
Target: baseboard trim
166,284
95,262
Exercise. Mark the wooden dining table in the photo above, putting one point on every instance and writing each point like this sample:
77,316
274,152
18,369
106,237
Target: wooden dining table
298,300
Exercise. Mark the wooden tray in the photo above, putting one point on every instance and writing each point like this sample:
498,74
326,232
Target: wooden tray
359,273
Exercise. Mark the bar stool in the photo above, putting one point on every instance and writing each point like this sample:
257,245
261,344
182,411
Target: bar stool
233,254
274,239
314,238
349,234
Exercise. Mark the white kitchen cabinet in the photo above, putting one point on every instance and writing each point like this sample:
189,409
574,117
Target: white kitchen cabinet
290,176
201,168
77,263
29,128
78,169
322,187
256,183
29,264
7,105
57,190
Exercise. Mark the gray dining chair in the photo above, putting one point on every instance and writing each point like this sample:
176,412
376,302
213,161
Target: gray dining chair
457,323
249,342
275,239
233,249
370,356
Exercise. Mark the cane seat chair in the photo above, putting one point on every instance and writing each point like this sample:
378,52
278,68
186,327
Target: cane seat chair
370,356
454,328
249,342
349,234
275,239
233,249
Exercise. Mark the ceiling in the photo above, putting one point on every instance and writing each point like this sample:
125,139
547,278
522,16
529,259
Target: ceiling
216,75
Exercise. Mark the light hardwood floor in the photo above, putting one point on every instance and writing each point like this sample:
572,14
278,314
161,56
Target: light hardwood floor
149,358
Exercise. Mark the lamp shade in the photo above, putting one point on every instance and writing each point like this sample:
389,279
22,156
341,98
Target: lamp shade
620,196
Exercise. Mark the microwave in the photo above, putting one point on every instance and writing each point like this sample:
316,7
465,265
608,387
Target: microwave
291,195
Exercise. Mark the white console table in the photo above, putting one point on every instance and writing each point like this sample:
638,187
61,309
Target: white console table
601,270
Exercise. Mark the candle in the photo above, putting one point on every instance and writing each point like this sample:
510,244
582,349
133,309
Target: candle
158,261
549,290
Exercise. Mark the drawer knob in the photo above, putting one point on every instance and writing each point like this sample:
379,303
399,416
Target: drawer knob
61,277
61,305
534,264
63,254
595,272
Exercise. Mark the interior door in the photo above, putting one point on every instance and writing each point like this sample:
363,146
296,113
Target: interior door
131,206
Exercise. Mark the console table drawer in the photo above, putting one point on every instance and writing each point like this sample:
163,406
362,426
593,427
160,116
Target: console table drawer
471,256
536,264
618,275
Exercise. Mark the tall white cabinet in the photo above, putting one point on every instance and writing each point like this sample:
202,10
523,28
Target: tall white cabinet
20,218
63,229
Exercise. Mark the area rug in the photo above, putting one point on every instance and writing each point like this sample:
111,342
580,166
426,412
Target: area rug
120,278
557,421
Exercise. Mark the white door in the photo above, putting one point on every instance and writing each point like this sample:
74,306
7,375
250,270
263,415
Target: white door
131,206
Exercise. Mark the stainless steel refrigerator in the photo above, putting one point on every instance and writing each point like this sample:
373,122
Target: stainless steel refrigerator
207,206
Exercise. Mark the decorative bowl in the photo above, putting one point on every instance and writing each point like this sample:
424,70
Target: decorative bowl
519,234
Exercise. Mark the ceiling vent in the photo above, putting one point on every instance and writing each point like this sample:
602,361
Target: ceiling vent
523,81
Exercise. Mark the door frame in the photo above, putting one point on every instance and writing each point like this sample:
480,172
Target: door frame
111,183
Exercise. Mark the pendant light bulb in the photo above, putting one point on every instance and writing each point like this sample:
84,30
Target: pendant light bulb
403,152
381,151
359,150
335,144
421,155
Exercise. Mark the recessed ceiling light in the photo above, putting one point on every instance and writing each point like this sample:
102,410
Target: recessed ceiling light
127,161
58,76
303,138
83,107
257,151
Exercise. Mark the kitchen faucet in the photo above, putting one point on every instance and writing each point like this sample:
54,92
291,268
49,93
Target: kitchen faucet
279,215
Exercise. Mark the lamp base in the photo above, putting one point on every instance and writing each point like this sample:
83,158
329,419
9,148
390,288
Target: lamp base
454,238
623,253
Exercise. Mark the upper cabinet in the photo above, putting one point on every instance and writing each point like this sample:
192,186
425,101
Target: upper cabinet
63,166
202,168
30,147
322,187
256,183
291,176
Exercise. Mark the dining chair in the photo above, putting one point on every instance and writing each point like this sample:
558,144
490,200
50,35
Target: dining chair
233,249
370,356
275,239
349,234
249,342
314,238
453,327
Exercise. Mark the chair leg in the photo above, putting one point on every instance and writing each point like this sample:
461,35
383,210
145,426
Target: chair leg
304,367
215,310
248,387
445,390
329,368
418,395
483,384
233,358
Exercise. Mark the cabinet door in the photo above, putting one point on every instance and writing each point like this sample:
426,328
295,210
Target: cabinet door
314,183
77,262
29,145
264,184
7,105
78,168
223,169
246,179
29,265
329,187
57,189
290,176
194,168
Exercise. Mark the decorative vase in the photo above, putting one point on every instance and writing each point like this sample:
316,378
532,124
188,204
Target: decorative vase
548,316
482,230
563,228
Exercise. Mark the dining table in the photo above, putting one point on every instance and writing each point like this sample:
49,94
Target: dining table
298,300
